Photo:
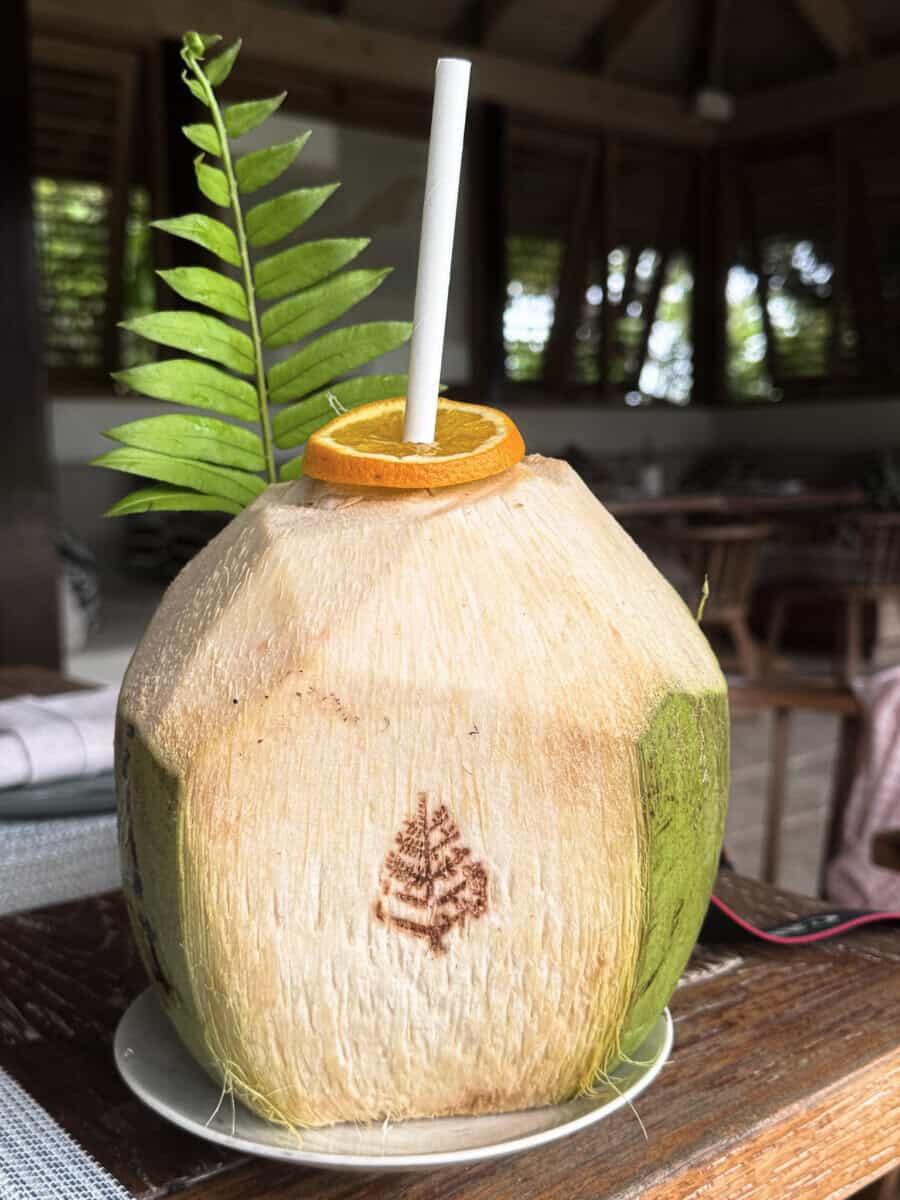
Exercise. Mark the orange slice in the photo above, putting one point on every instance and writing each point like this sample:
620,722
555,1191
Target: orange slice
365,446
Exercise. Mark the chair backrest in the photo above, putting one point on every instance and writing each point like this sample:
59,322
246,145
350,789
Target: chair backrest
880,549
728,556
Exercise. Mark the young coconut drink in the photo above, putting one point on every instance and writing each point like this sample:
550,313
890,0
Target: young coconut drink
422,768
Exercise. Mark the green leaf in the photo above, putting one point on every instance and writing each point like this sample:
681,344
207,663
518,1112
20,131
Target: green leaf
212,182
210,288
304,265
218,69
207,232
259,167
208,39
241,118
213,481
205,438
207,337
291,470
204,136
331,355
309,310
293,426
194,88
168,499
274,219
194,384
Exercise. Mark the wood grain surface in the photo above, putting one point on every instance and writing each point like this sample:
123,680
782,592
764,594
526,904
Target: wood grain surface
35,681
784,1082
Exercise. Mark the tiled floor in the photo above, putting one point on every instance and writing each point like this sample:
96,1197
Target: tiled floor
128,608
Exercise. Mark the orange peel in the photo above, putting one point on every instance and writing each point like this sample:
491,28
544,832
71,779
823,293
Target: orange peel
365,447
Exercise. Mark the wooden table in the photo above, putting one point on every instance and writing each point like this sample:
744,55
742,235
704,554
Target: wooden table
36,681
784,1081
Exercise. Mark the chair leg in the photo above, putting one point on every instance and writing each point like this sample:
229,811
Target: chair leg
747,649
775,799
774,632
853,647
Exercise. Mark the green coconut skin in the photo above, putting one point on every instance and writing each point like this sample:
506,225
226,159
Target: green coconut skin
150,826
683,763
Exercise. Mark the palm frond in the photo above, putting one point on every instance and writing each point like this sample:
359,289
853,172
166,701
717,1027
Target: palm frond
201,462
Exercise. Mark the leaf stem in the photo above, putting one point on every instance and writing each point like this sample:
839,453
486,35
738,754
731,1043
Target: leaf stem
246,270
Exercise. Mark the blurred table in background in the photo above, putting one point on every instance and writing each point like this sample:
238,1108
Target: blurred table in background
733,505
35,681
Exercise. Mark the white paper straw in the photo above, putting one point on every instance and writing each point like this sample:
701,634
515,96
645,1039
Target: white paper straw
448,123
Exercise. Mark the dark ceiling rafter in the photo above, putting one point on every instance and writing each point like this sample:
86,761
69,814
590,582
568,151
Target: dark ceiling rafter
584,101
476,19
608,41
717,42
836,26
351,52
817,102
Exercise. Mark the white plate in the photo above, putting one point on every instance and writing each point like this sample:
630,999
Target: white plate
155,1065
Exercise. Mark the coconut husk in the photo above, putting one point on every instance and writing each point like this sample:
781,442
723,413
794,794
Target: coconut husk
421,796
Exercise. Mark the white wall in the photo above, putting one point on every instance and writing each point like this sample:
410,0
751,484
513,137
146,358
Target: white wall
849,426
841,428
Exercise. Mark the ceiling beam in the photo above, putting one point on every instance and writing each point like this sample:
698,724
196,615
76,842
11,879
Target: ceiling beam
811,103
476,21
836,27
340,49
716,43
609,40
330,8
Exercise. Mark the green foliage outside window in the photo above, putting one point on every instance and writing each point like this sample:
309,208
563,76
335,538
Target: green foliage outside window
533,267
801,317
71,226
533,272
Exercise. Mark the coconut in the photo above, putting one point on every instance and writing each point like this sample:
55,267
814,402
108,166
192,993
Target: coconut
421,797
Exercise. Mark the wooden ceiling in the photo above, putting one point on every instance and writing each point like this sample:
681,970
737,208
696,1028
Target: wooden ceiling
667,45
626,65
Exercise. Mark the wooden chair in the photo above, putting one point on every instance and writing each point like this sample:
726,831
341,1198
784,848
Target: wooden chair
876,577
729,557
782,698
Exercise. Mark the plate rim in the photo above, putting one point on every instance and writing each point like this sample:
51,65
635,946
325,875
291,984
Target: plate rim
381,1162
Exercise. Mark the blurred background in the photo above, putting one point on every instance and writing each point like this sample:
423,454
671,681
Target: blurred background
677,265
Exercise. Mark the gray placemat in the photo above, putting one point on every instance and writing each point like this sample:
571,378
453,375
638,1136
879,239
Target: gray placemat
49,861
39,1160
62,798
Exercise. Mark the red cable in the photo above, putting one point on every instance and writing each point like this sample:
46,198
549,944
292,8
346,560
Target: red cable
780,940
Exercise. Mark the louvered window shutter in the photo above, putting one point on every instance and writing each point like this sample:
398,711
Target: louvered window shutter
83,121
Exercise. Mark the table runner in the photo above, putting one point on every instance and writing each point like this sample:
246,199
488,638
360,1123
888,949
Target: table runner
46,862
38,1159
